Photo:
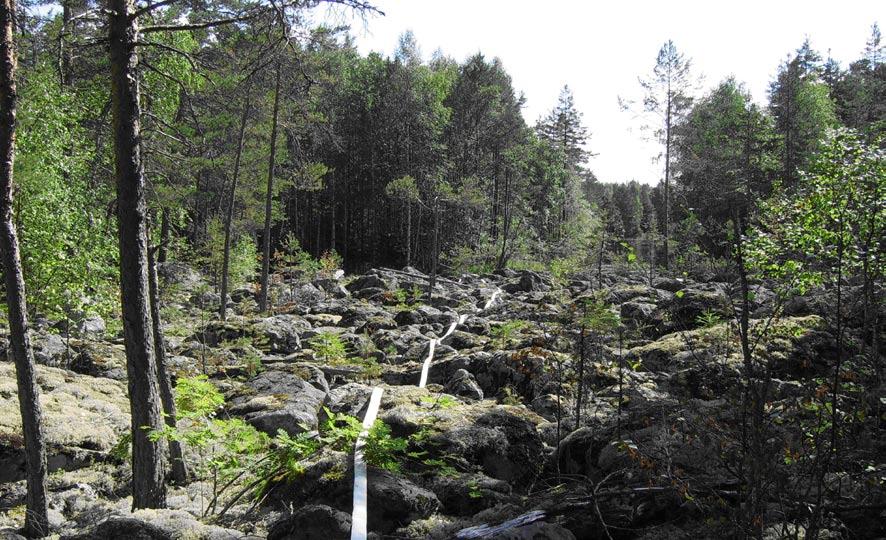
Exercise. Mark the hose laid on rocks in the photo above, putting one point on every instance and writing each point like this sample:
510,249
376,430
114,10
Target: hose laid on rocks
358,519
359,516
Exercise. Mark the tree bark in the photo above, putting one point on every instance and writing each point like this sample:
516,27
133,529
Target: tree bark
266,240
667,182
164,236
179,467
36,520
435,254
229,215
148,488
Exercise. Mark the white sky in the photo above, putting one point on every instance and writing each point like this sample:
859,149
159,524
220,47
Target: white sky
600,48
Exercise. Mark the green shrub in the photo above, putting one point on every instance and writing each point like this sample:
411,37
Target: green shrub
328,346
505,332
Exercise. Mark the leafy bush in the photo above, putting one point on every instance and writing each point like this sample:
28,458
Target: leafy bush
505,332
243,260
328,346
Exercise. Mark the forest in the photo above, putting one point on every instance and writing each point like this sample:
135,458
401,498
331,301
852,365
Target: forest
259,284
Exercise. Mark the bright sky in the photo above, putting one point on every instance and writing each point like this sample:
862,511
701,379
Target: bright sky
600,48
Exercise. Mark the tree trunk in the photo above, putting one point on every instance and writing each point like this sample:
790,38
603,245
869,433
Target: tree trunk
164,236
266,240
229,215
435,253
179,467
36,520
148,488
581,377
506,226
408,233
667,183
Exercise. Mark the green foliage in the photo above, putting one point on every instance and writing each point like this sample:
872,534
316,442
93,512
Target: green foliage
328,346
841,202
404,189
503,333
382,450
708,319
291,257
442,401
196,397
67,233
340,431
596,315
243,261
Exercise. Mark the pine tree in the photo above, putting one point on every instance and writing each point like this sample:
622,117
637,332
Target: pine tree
563,129
36,520
667,95
802,107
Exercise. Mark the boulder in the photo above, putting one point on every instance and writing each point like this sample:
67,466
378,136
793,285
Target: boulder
280,334
370,281
519,370
83,419
50,350
463,384
160,524
503,441
395,501
642,314
93,326
528,282
99,359
668,284
312,522
177,274
277,399
468,494
689,304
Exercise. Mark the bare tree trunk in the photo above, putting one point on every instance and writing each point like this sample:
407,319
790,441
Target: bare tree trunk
752,443
36,520
266,240
581,377
148,488
600,258
164,236
667,182
179,467
435,253
506,226
229,215
408,233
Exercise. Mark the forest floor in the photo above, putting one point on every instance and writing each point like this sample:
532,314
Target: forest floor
517,434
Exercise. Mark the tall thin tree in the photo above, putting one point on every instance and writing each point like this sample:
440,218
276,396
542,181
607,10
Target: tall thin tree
229,214
667,96
36,520
272,158
148,470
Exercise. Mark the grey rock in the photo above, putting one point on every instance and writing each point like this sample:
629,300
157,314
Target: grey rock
92,326
312,522
463,384
177,273
528,282
469,494
277,399
641,313
280,333
369,281
394,501
507,445
50,350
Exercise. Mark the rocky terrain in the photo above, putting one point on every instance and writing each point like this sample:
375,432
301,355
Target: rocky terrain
496,448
